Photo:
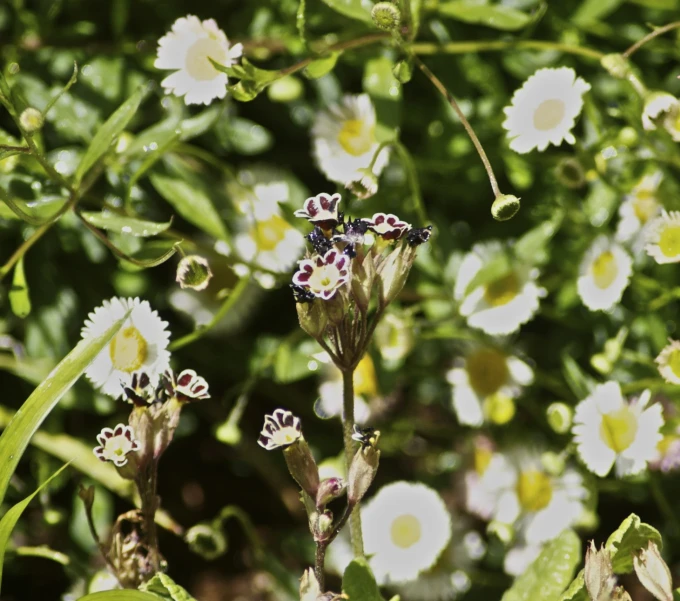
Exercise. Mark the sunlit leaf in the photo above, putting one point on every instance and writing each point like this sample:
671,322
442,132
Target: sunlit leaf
121,595
592,11
121,224
354,9
166,588
19,298
496,16
321,66
358,582
631,536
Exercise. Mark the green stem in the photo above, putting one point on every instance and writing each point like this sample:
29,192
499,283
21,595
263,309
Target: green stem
494,45
232,511
664,505
650,36
347,427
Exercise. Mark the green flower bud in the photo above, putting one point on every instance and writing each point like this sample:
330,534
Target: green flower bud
194,272
323,527
393,272
616,65
386,16
302,467
312,317
286,89
570,173
206,541
559,417
362,472
31,120
504,207
502,531
403,71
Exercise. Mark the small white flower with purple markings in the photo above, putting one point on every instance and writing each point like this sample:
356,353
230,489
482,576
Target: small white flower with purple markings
321,210
188,385
387,226
115,445
281,429
323,276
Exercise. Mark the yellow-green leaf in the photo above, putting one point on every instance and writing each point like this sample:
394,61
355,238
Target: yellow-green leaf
121,224
19,299
496,16
121,595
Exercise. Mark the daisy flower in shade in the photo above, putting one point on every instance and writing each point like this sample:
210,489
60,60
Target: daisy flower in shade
481,482
139,345
662,108
345,142
321,210
663,240
281,429
608,430
544,110
387,226
115,445
484,384
604,274
323,276
669,362
502,305
406,527
638,210
187,50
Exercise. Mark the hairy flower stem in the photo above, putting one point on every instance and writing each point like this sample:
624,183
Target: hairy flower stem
466,124
147,485
319,561
347,424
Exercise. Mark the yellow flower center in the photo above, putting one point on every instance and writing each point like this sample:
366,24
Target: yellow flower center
365,381
487,371
673,362
355,137
324,278
645,205
604,270
482,459
549,114
502,291
197,62
269,233
499,408
669,241
618,429
128,350
534,490
665,443
405,531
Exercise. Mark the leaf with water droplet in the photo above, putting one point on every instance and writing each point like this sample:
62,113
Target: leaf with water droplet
122,224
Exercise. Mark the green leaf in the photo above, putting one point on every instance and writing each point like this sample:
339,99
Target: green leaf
578,381
592,11
550,574
163,586
532,248
10,519
121,595
35,409
152,254
191,202
109,131
19,299
496,16
576,590
247,137
35,212
354,9
358,582
631,536
125,225
321,66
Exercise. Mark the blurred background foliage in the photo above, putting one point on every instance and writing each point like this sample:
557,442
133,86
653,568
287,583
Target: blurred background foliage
183,167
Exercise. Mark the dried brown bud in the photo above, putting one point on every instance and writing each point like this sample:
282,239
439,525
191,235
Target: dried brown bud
599,575
653,572
362,473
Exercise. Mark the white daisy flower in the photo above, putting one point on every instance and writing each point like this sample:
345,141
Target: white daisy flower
484,385
500,306
187,50
662,108
481,482
281,429
115,445
140,345
345,142
394,337
544,110
669,362
406,527
664,238
604,274
637,212
609,430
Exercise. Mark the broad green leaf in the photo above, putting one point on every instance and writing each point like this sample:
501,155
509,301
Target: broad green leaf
121,224
35,409
35,212
247,137
631,536
358,582
19,299
291,361
120,595
10,519
321,66
492,15
109,131
354,9
191,202
658,4
164,586
550,574
532,248
592,11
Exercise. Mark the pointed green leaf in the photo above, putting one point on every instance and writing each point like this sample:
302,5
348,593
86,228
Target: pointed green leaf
358,582
164,586
592,11
121,224
492,15
120,595
532,247
10,519
576,590
109,131
321,66
631,536
354,9
36,408
19,299
550,574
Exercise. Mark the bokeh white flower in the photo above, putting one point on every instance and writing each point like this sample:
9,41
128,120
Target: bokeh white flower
345,142
662,109
663,239
604,274
502,305
484,385
638,211
140,344
609,430
187,50
406,526
668,362
544,110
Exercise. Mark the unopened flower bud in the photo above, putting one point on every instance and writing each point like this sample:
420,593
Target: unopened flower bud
403,71
206,541
570,173
363,277
616,65
364,185
653,572
619,594
362,472
312,317
499,408
504,532
386,16
559,417
598,574
504,207
302,467
323,527
31,120
393,273
336,309
330,489
309,586
194,272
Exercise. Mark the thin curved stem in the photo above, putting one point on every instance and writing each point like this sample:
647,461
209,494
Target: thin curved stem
347,427
494,45
650,36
